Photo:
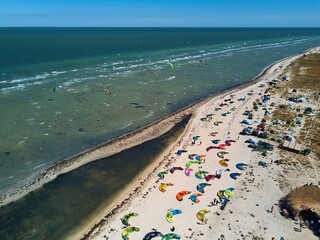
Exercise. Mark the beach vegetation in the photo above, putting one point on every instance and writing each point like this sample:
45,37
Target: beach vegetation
303,205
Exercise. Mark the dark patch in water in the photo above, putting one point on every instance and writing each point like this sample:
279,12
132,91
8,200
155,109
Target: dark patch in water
6,153
139,106
81,129
134,103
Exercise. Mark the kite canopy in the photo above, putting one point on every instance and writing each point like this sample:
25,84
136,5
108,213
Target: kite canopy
217,123
191,156
172,170
201,215
55,89
223,162
241,166
221,154
235,175
196,138
179,152
163,186
194,197
169,217
154,233
213,134
222,170
198,157
161,174
216,141
188,171
200,174
211,177
125,234
169,236
171,213
201,186
125,218
181,194
229,192
188,164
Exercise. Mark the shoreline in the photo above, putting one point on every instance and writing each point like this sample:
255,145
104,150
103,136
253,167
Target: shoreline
160,161
113,146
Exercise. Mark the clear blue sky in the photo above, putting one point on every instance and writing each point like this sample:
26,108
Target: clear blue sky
148,13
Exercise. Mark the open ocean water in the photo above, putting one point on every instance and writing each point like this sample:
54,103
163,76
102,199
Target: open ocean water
53,104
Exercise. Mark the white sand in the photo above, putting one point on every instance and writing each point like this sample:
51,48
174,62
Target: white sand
256,190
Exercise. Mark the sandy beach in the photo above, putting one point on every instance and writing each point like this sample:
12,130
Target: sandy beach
220,161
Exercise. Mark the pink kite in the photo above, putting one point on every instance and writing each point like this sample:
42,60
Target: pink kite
188,171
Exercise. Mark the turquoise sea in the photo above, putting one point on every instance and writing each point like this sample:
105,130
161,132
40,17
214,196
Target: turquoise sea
53,104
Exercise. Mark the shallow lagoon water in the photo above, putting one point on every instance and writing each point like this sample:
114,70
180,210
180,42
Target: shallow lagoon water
60,207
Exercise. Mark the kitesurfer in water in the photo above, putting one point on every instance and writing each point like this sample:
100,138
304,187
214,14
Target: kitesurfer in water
107,91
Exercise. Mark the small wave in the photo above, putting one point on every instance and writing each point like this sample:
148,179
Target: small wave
126,125
165,80
9,89
37,77
76,80
117,63
41,165
56,73
118,68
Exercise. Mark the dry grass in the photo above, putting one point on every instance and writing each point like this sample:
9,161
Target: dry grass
308,195
285,114
310,133
305,73
305,78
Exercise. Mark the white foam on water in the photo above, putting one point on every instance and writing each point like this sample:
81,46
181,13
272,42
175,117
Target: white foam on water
56,73
126,125
41,165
